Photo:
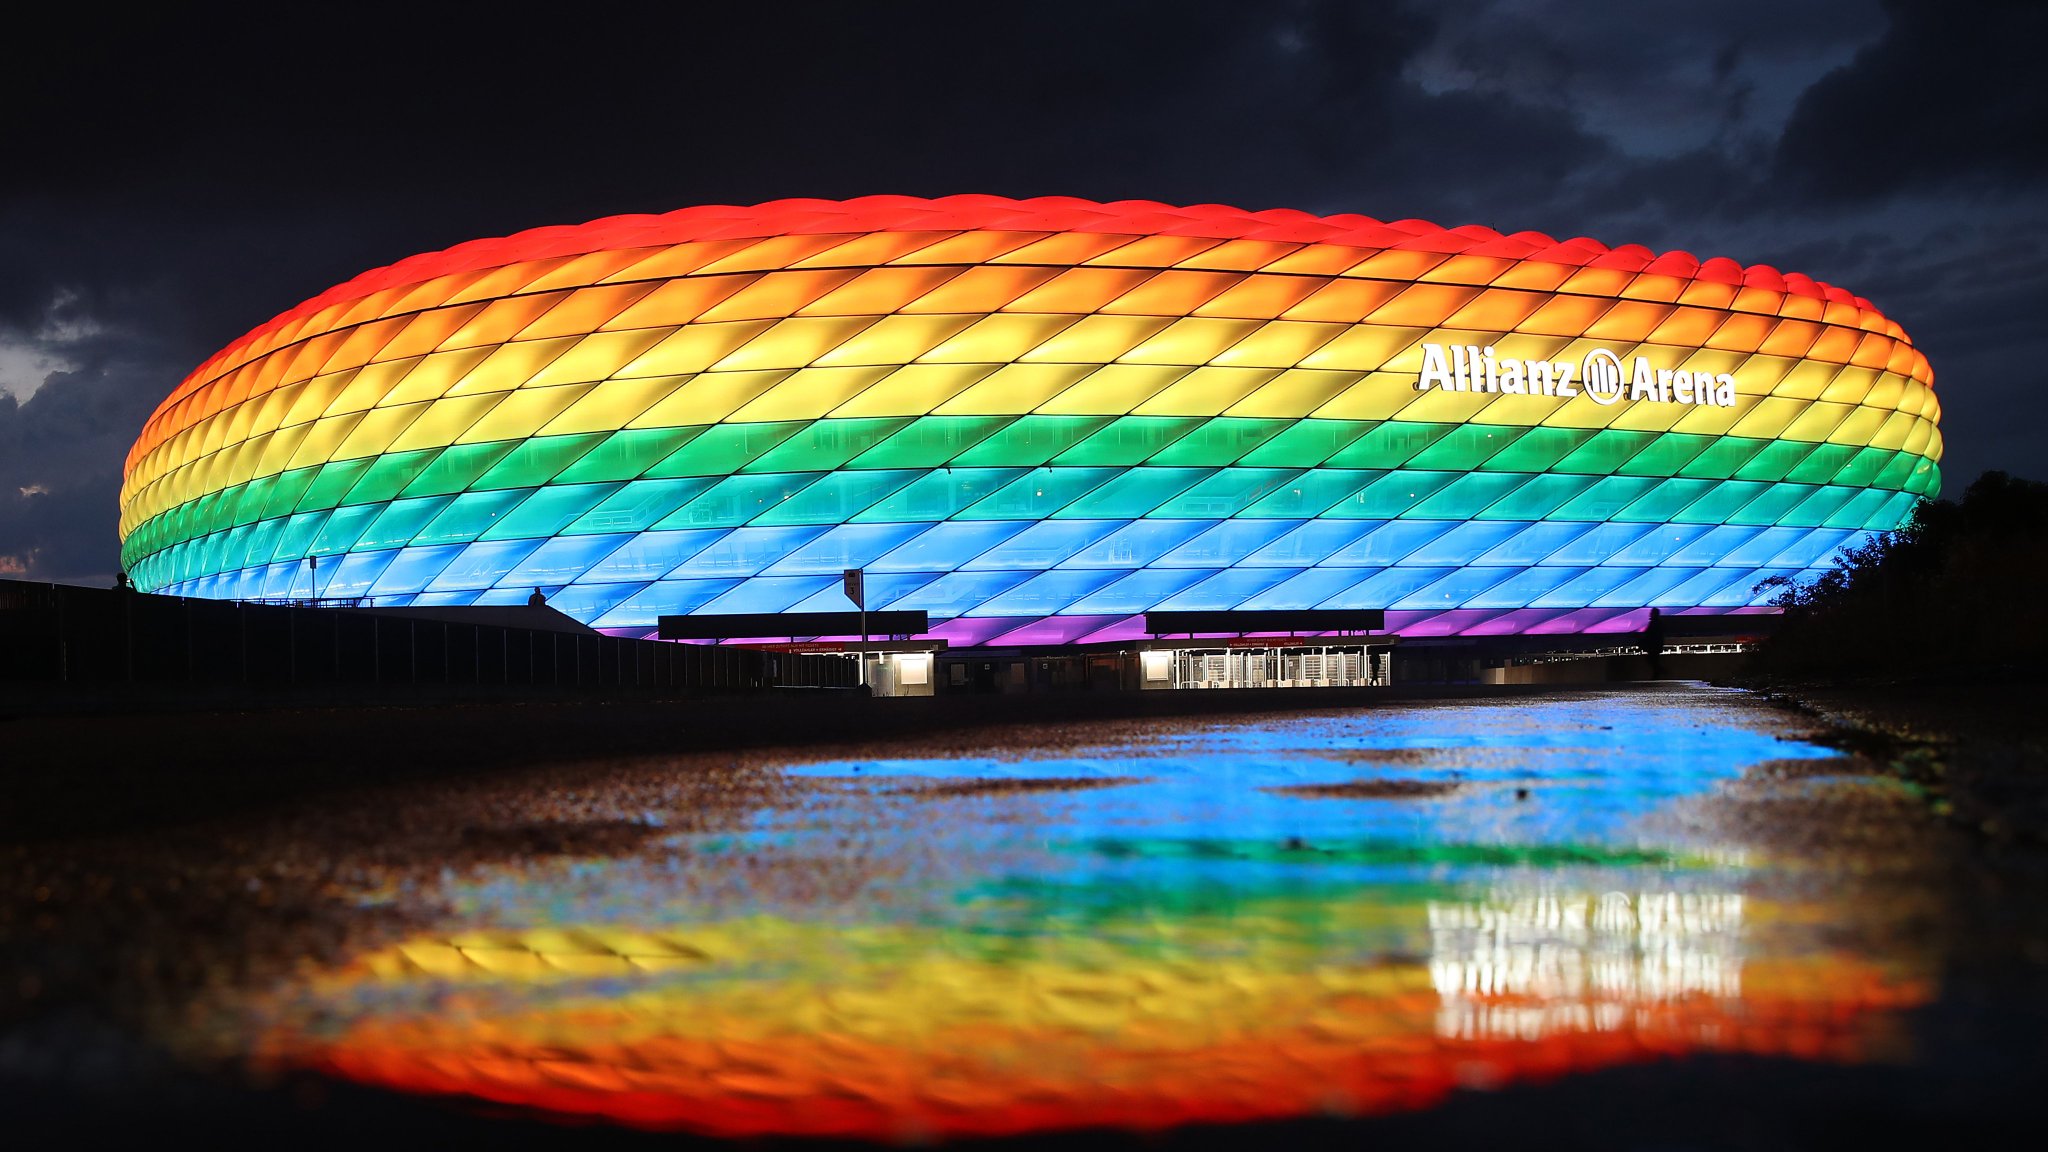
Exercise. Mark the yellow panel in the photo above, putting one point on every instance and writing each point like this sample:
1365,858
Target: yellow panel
879,290
1529,346
1190,340
444,420
792,343
695,348
999,338
872,248
1761,375
1933,448
279,447
1175,292
430,377
1711,361
1097,339
1013,389
707,399
1852,386
1807,379
677,302
1080,290
1769,417
610,406
1112,390
322,436
809,394
1373,396
510,365
1279,344
1707,420
1885,391
895,340
1913,396
1520,411
971,248
585,310
1687,327
1205,391
240,419
272,406
1921,438
679,260
913,390
1648,416
1859,426
1365,348
346,396
502,319
596,357
364,342
777,252
522,413
377,429
777,294
1157,251
1263,297
1582,412
982,289
1742,332
1438,406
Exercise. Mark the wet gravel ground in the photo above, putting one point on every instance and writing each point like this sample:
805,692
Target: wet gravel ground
160,859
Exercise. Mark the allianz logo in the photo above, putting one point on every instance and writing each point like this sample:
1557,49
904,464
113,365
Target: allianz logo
1601,375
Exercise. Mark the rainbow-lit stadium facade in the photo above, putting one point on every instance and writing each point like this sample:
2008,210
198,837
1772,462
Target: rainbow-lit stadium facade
1038,419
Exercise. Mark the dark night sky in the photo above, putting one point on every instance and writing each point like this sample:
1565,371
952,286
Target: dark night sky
173,180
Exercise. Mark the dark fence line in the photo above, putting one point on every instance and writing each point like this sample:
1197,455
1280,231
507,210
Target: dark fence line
58,633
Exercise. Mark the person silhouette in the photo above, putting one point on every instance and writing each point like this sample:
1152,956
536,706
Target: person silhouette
536,600
1653,643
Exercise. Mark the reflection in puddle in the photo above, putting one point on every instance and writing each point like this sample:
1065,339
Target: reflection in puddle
1202,926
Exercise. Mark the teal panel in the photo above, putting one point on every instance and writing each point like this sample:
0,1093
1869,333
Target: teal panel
639,505
1311,492
401,520
939,495
837,497
344,528
1666,500
735,500
1538,498
1133,494
1720,501
549,510
1773,506
1813,511
1391,495
1038,493
299,530
1605,499
1468,495
469,514
1227,493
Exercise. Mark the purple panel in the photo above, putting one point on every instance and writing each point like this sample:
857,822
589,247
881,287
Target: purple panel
971,632
1585,620
1124,628
1052,630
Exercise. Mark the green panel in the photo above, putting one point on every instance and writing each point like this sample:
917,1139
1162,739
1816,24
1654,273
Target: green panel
723,449
1926,479
1538,498
344,528
1469,495
402,520
1822,465
1392,494
262,546
1030,441
1228,493
1722,458
930,441
1223,440
1862,469
1897,471
1538,449
1667,455
548,511
1128,440
1857,512
335,479
538,460
388,476
838,497
1724,499
1813,511
299,530
1389,445
233,544
1773,506
625,455
1605,499
221,516
737,499
290,487
1666,500
1311,493
1774,460
1132,494
939,495
1466,447
1606,452
457,467
1307,443
1038,493
255,497
824,445
639,505
469,515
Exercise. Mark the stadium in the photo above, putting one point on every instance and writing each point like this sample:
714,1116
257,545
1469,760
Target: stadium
1037,421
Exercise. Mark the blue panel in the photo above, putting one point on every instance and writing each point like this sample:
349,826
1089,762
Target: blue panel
1138,543
355,573
1815,548
278,578
1390,543
1737,592
768,594
940,494
414,569
1303,590
1043,544
1227,589
1227,543
956,592
1600,545
445,599
563,559
845,546
644,608
1715,545
1694,592
1582,590
1525,587
1648,587
745,551
588,602
652,555
1045,593
1144,589
1657,547
948,546
883,590
401,520
1758,549
344,526
482,564
1382,589
1455,590
1467,542
1309,543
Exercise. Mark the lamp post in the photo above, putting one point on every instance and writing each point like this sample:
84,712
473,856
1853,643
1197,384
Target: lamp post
851,580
